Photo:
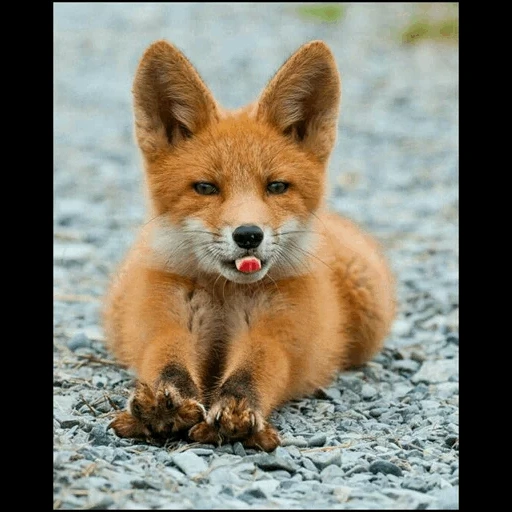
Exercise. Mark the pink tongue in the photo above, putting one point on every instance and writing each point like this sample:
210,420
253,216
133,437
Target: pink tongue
248,264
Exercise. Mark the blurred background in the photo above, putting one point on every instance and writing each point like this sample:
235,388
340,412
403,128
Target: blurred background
394,168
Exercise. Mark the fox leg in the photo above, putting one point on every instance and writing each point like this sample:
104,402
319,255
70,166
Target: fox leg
255,380
166,399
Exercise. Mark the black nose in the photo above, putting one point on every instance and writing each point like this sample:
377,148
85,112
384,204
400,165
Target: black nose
248,237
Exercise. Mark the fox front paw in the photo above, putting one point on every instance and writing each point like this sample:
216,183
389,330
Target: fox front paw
233,419
159,413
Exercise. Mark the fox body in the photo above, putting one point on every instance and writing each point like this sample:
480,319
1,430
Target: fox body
241,291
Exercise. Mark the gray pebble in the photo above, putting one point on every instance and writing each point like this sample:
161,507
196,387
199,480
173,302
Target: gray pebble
378,411
359,468
317,440
279,474
99,382
437,371
238,449
225,476
383,466
368,392
416,484
201,451
330,472
407,365
308,464
225,448
98,435
269,462
298,441
251,495
452,441
350,397
309,474
66,420
333,394
293,451
190,463
323,459
447,499
79,340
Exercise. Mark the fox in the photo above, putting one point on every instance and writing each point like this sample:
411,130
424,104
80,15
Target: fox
242,291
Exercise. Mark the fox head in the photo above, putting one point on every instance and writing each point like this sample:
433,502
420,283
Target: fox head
234,193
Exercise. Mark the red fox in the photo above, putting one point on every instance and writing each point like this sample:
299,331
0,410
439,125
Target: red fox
241,292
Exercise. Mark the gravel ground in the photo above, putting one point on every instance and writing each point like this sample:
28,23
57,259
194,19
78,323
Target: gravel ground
382,437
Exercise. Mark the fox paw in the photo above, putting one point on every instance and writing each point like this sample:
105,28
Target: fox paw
158,413
232,419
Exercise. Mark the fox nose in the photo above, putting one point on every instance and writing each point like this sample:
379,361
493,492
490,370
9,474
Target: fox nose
248,237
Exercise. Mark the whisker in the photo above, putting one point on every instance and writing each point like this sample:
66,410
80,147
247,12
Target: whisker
285,233
151,220
211,233
285,256
275,284
296,247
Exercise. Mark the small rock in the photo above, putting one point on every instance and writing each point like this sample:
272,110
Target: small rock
279,474
383,466
282,452
63,403
451,441
225,448
359,468
446,389
323,459
407,365
189,463
317,440
99,382
437,371
308,464
98,435
350,397
201,451
307,474
224,476
269,462
144,484
250,495
447,498
298,441
333,394
79,340
368,392
418,356
293,451
238,449
416,484
342,493
402,328
350,383
330,472
67,421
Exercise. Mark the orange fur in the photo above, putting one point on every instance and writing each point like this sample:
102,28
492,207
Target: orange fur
242,344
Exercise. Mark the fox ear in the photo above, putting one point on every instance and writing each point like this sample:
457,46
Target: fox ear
302,100
171,102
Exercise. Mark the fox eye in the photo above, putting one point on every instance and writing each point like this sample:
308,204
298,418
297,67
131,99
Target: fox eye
277,187
205,189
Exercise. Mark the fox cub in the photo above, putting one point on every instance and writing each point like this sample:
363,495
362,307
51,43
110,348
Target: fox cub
241,291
